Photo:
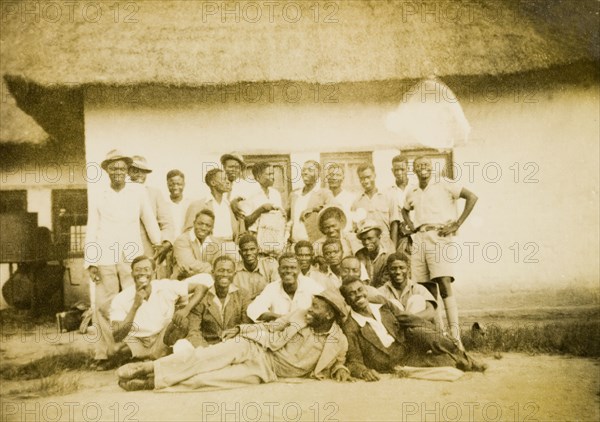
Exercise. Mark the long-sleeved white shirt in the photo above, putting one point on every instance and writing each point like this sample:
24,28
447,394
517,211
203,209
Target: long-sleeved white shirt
113,228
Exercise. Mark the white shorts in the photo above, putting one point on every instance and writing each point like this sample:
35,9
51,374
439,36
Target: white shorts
429,258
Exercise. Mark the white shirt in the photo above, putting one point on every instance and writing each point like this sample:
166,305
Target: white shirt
178,211
259,198
113,228
436,204
344,200
155,313
222,228
376,324
241,188
274,299
300,204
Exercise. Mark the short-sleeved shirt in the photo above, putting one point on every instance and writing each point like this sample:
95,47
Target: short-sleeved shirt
400,299
258,198
381,208
274,299
394,192
436,204
253,282
241,188
155,313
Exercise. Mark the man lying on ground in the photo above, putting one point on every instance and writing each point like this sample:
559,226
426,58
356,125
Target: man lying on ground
306,343
380,337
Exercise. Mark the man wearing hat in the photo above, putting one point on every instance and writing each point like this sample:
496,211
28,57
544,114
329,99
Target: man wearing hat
372,255
138,172
113,239
306,343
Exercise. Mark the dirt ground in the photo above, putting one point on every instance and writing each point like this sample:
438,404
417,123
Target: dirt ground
516,387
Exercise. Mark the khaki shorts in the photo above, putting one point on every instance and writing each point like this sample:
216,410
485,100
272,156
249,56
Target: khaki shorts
429,258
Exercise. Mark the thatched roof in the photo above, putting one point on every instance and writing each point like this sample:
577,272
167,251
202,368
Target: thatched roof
184,43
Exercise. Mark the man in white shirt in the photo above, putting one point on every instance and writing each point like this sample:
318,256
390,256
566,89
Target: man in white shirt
434,202
140,314
397,192
293,291
178,202
334,175
234,166
113,239
305,204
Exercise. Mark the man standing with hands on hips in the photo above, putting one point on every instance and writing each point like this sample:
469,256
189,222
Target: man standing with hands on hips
435,214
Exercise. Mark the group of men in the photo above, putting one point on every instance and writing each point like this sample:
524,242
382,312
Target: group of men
193,286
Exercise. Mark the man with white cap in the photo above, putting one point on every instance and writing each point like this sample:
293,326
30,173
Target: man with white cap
113,239
138,172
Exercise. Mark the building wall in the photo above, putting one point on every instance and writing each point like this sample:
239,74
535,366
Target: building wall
543,220
39,171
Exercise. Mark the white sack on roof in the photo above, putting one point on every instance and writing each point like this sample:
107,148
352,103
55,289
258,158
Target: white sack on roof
430,114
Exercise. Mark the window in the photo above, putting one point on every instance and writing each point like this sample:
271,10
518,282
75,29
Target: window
13,201
69,216
283,170
349,161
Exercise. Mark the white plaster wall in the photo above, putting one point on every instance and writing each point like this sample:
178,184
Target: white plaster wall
558,132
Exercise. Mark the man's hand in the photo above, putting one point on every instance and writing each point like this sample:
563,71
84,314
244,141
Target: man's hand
370,375
449,229
343,375
304,214
236,209
230,333
140,296
94,273
179,317
267,207
161,251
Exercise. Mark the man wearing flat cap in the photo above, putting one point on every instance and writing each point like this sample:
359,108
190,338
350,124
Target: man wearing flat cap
138,172
372,255
113,239
306,343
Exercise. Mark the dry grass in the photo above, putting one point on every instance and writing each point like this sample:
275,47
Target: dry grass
59,384
578,338
47,366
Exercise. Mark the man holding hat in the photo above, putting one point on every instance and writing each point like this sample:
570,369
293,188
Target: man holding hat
138,172
306,343
113,239
373,256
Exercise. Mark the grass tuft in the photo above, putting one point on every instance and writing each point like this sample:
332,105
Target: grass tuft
47,366
580,338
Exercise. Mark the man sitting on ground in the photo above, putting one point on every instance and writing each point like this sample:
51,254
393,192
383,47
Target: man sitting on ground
306,254
380,338
308,343
373,255
407,295
254,272
141,313
223,307
293,291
